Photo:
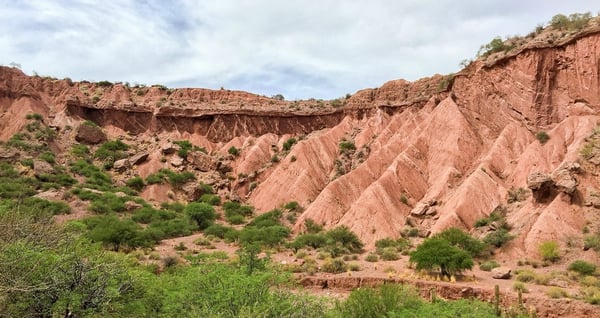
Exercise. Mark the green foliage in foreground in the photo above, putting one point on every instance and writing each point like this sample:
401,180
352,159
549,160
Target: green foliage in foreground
401,301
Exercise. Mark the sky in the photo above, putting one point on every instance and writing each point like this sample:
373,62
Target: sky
300,49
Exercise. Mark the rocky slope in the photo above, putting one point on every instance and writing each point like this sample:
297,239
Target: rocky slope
439,152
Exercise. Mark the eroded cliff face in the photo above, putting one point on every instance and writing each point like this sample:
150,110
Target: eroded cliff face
456,145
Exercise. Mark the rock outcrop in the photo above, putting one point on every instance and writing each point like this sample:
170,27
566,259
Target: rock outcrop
465,140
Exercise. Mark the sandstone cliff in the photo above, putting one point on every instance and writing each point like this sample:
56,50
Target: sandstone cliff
458,144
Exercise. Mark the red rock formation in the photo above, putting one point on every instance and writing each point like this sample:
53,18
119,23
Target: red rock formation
463,141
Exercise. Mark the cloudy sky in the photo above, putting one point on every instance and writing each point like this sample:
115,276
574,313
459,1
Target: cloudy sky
301,49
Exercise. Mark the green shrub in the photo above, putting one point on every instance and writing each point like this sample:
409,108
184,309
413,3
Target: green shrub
372,257
389,254
556,292
48,157
525,276
292,206
34,116
235,219
206,188
592,241
80,151
156,178
346,146
344,237
287,145
27,162
313,240
176,227
542,137
498,238
210,199
107,202
146,215
519,286
201,213
582,267
136,183
218,230
336,265
233,151
549,251
112,150
269,235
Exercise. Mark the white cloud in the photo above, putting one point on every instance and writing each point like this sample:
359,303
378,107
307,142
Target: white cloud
302,49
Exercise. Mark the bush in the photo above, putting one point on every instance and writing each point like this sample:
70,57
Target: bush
372,257
542,137
270,235
389,254
336,265
48,157
525,276
313,240
136,183
346,147
206,188
516,195
210,199
112,150
311,227
343,236
218,230
236,219
233,151
34,116
497,238
519,286
202,213
549,251
80,151
556,292
489,265
591,241
287,145
582,267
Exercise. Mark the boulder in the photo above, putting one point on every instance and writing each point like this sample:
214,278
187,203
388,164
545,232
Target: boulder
90,134
192,191
8,154
564,181
501,273
41,167
121,165
538,180
541,185
176,161
169,148
130,206
424,208
139,158
201,161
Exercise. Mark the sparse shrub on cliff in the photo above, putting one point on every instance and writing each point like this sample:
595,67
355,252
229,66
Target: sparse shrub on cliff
112,150
498,237
233,151
549,251
582,267
210,199
287,145
573,22
542,137
346,147
104,84
34,116
516,195
136,183
495,45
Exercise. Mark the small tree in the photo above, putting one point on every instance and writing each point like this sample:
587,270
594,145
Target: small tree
439,253
462,240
